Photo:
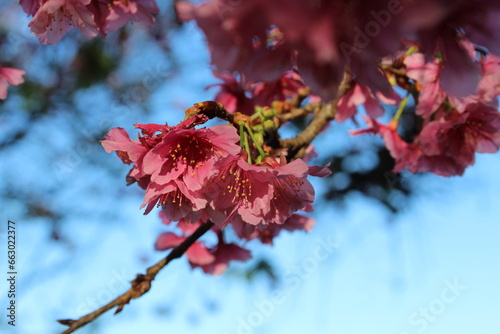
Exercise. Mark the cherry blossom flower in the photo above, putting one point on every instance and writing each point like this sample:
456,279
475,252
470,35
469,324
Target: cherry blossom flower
122,11
427,75
224,253
30,7
454,138
267,232
489,86
197,254
212,260
10,76
285,87
242,191
292,191
133,151
176,200
56,17
406,155
360,94
478,22
238,42
445,146
190,154
232,94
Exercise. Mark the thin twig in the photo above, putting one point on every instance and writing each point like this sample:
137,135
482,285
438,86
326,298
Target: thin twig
297,146
140,285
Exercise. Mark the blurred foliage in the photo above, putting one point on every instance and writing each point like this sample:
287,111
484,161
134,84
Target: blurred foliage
93,63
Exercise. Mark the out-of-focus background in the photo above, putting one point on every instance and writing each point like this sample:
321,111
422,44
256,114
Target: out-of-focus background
390,254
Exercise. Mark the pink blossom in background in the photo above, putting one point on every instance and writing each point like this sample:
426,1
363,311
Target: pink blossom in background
237,41
427,75
223,254
212,260
123,11
10,76
456,137
232,94
405,154
197,254
489,86
267,232
363,95
30,7
284,88
56,17
478,22
445,146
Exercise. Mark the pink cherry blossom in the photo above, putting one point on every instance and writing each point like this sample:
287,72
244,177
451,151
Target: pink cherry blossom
427,75
224,253
478,22
489,86
284,88
56,17
237,41
406,155
10,76
133,151
232,94
197,254
445,146
30,7
363,95
190,154
267,232
212,260
454,138
243,190
176,200
292,190
122,11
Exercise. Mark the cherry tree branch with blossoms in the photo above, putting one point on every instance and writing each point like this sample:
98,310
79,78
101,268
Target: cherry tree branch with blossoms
199,113
323,60
140,285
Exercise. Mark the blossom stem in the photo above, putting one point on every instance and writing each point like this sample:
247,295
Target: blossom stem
401,107
255,115
256,144
244,142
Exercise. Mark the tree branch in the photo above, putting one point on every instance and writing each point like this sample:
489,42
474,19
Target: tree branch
140,285
297,146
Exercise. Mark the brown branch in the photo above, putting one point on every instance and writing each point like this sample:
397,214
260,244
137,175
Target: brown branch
140,285
297,146
299,112
213,109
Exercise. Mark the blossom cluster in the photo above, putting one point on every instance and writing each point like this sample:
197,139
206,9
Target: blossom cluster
197,175
320,38
440,55
54,18
452,128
